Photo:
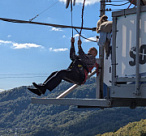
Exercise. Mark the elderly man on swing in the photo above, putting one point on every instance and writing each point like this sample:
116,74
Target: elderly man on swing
76,73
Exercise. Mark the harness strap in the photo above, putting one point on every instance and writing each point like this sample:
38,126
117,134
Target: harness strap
78,63
84,65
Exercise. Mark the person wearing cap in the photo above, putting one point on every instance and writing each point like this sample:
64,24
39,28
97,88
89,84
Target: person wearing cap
100,21
104,28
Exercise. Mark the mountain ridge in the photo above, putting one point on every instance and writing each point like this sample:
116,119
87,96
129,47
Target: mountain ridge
17,113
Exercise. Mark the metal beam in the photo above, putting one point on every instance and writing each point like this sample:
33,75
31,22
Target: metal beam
127,12
137,86
93,103
102,7
101,52
114,32
98,80
73,101
129,79
132,103
127,91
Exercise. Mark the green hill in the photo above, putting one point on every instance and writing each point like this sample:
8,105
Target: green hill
19,116
131,129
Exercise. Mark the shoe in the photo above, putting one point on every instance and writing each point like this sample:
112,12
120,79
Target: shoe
35,91
41,89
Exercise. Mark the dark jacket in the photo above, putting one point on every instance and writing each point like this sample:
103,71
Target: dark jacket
88,59
82,63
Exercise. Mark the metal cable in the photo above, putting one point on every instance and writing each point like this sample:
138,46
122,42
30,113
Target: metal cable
43,11
40,23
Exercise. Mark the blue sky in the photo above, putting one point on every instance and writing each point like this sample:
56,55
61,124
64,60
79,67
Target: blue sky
29,53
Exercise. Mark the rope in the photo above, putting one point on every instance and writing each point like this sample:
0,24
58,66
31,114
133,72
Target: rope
82,18
74,2
47,24
83,36
130,4
82,25
71,18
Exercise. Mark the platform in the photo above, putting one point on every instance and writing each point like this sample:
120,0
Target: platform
73,101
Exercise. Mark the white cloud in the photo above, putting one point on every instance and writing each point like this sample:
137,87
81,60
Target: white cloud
9,36
90,38
4,42
88,2
1,90
20,45
63,36
56,29
58,49
25,45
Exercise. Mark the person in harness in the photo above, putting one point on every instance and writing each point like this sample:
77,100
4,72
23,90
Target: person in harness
76,73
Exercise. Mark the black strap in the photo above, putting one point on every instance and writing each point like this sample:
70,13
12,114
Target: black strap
77,62
84,65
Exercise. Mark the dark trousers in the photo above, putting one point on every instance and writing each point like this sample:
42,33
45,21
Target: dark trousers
56,77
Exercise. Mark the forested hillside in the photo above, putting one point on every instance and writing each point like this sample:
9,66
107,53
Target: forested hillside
19,116
132,129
